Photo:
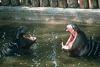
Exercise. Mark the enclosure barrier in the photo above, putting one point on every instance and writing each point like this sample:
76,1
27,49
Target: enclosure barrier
53,3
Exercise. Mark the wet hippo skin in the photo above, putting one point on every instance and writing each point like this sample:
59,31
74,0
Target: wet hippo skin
78,44
23,40
20,45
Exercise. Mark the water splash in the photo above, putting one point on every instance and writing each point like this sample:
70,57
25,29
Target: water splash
3,36
35,60
53,55
53,52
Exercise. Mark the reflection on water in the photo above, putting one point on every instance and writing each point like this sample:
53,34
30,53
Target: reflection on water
53,51
46,52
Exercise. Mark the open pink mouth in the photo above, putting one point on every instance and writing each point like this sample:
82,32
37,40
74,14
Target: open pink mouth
30,37
71,41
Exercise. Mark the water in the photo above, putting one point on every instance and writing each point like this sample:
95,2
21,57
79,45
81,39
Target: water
46,52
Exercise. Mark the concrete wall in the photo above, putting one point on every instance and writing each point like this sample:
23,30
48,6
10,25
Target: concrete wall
49,15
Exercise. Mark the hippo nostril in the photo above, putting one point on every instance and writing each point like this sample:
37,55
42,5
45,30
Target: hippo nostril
34,38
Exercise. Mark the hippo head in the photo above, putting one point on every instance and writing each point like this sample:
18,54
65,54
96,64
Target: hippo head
73,27
24,40
73,30
77,40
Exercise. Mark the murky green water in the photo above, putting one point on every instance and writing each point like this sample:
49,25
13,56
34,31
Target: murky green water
47,51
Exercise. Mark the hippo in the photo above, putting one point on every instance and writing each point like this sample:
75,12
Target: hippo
79,45
24,40
21,44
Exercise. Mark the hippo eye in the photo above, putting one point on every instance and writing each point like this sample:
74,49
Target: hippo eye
69,26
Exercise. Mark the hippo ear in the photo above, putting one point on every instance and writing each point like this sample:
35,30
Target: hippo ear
20,31
75,27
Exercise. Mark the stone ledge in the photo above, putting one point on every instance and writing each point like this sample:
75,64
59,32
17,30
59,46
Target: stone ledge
48,14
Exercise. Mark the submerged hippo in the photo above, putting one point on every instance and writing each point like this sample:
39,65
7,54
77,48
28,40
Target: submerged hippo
24,41
78,44
20,45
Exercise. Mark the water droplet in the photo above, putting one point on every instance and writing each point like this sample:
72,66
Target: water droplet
20,63
78,63
56,37
73,65
32,65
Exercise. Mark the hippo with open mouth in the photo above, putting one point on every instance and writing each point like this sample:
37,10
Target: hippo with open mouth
78,44
24,41
21,44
